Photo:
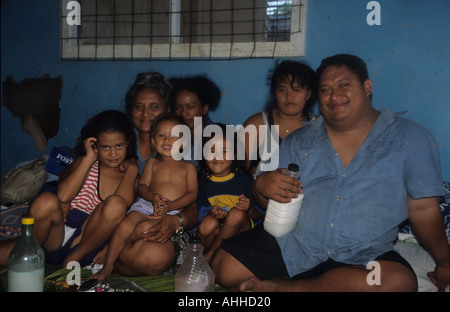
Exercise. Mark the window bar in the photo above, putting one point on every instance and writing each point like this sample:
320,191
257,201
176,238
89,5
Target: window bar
114,32
276,31
61,34
232,30
96,30
132,30
191,28
254,30
211,30
174,18
151,31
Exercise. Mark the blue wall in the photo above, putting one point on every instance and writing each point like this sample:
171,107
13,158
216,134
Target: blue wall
408,57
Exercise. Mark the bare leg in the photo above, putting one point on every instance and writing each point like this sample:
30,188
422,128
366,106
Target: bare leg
139,229
145,258
48,225
394,277
99,227
233,275
235,222
229,272
117,243
207,231
100,257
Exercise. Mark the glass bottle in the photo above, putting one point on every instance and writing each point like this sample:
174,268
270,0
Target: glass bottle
194,274
26,262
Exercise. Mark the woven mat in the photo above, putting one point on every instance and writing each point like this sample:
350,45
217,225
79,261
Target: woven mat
164,283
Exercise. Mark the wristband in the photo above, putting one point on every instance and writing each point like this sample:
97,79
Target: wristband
181,226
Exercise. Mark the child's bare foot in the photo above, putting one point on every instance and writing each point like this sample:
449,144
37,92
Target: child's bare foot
101,256
102,274
256,285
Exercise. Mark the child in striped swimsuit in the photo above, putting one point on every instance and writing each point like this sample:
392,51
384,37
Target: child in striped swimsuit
167,186
93,192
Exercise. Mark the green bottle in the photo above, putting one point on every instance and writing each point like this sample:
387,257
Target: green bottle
26,262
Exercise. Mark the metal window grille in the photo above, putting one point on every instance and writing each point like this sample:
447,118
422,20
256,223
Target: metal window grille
182,29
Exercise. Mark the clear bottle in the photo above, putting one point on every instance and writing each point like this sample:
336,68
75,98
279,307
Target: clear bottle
26,262
281,218
194,274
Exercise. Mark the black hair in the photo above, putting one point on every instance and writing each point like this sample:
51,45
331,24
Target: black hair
356,65
302,74
207,91
237,166
148,80
108,121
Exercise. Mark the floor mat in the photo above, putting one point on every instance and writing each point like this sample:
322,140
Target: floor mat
163,283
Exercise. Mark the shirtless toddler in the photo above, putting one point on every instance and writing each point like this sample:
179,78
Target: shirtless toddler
166,186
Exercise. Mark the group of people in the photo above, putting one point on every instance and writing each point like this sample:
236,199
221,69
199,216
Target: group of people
127,203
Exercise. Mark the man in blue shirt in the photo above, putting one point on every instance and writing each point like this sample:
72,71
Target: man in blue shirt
363,172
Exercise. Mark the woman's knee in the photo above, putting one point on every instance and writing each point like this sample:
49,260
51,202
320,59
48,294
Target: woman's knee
44,205
396,277
114,207
154,259
229,272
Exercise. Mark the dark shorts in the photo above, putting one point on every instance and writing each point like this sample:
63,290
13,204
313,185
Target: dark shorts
259,252
75,219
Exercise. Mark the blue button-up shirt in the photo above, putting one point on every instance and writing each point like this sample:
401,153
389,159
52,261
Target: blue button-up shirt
351,214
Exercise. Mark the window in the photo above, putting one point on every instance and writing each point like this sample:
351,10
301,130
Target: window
182,29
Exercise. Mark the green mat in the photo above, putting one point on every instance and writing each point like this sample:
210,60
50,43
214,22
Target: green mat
162,283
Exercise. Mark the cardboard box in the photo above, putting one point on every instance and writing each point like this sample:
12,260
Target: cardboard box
59,158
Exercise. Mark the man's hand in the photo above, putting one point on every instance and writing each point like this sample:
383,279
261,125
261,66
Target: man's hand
277,186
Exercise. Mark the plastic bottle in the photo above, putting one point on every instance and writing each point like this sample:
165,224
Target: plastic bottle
194,274
281,218
293,171
26,262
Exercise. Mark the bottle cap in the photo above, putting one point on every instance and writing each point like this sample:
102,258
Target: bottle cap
194,240
293,167
28,220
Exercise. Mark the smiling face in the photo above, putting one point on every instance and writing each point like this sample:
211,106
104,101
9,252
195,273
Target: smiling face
163,138
220,166
291,97
112,148
343,98
147,106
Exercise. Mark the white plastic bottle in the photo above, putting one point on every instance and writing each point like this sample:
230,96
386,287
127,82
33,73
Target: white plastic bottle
281,218
26,262
194,274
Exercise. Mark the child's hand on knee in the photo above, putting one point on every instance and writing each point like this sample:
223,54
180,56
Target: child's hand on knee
244,203
218,212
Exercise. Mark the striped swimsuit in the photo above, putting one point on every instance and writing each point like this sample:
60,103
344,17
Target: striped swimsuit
88,198
82,207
